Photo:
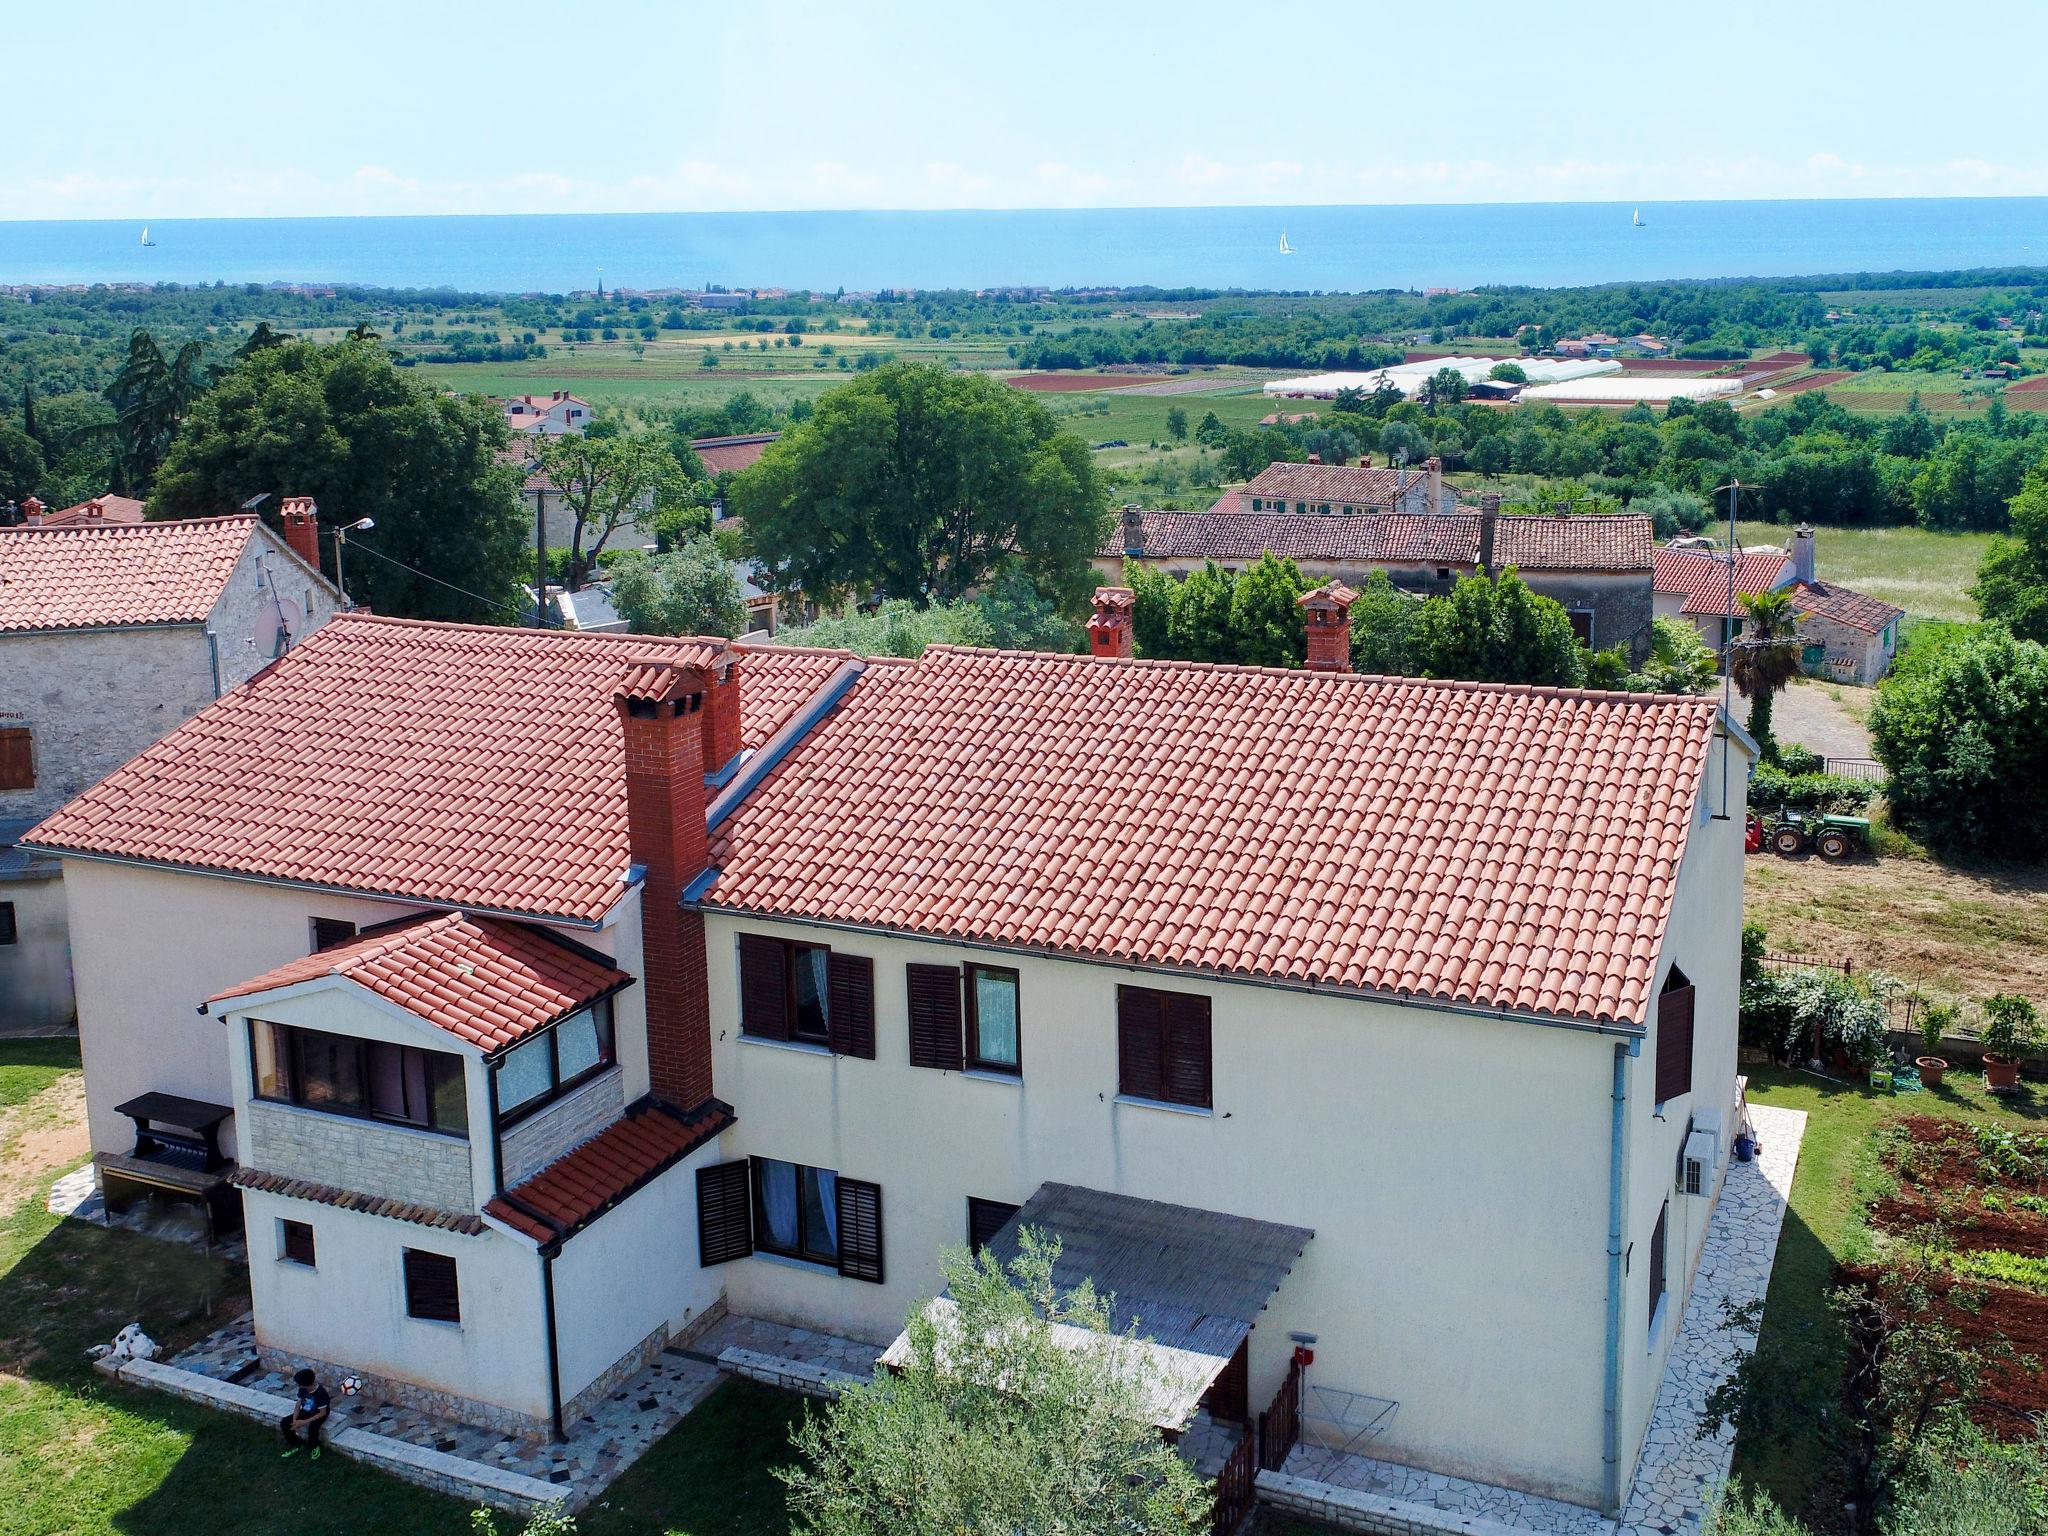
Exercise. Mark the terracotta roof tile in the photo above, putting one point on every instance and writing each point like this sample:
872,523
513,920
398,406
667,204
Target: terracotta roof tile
1703,578
1618,542
100,509
720,454
1828,601
94,574
586,1182
465,1222
1475,843
456,764
1351,484
484,980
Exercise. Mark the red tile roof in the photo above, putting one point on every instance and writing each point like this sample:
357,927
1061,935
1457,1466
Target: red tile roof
484,980
585,1183
732,453
1350,484
101,509
1703,578
284,1184
1621,542
448,763
1474,843
1828,601
92,575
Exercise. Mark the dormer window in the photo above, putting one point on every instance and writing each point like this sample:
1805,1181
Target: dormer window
370,1079
543,1067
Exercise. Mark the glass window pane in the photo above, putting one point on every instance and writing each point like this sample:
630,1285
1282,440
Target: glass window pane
330,1070
387,1080
267,1042
995,1017
447,1084
578,1046
821,1214
810,965
775,1187
524,1074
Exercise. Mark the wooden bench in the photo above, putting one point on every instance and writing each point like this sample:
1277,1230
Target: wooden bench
177,1153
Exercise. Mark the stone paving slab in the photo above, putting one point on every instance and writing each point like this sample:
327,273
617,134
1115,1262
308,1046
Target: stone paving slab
1677,1469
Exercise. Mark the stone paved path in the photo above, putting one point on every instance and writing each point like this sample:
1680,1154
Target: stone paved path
1677,1468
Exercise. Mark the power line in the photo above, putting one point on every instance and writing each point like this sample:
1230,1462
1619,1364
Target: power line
502,607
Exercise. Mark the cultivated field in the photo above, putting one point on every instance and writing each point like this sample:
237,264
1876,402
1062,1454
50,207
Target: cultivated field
1927,574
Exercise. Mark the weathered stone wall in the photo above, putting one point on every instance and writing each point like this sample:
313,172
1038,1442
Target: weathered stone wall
240,620
564,1125
392,1161
1852,655
1620,605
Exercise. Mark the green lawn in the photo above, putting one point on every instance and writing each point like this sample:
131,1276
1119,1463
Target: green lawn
28,1066
1838,1174
1925,573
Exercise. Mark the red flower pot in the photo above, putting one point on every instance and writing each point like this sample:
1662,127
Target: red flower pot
2001,1073
1931,1069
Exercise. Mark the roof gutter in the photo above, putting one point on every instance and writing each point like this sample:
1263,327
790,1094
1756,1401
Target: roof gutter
1618,1029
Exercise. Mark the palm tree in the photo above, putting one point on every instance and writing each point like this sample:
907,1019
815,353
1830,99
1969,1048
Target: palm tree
150,396
1764,660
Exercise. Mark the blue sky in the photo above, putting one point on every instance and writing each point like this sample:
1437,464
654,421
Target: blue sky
433,106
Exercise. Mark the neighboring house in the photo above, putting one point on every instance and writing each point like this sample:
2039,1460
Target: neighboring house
1335,488
101,509
1597,566
757,1000
730,455
550,415
112,635
1692,584
1844,635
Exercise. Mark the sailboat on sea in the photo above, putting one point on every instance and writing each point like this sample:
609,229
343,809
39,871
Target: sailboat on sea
1285,248
1637,221
145,236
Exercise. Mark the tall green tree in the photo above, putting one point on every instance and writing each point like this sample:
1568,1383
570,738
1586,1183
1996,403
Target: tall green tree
997,1424
342,424
1198,626
607,480
918,482
151,396
688,591
1265,613
1152,616
1497,631
1382,622
1763,659
2012,578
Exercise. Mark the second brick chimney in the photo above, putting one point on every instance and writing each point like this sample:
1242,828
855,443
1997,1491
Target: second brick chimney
1326,616
1109,631
1134,533
32,511
661,704
1489,525
302,528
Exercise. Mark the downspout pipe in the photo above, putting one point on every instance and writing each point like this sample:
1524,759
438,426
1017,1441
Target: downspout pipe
1617,1199
213,655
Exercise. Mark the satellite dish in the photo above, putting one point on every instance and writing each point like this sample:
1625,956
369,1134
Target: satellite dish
277,623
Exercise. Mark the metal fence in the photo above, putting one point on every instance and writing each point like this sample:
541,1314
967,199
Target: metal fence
1867,770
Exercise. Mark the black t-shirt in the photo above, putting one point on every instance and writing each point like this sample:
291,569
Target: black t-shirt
313,1402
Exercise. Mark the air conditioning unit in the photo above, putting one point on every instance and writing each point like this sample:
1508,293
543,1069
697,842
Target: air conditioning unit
1696,1167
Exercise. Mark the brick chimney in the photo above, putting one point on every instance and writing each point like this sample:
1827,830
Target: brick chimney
721,718
660,704
1109,631
1315,458
302,528
1134,533
95,509
1326,615
1489,525
31,512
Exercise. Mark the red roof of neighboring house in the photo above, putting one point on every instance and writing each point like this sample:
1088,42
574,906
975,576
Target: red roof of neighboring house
1617,542
100,509
1828,601
464,764
1703,578
588,1181
1349,484
484,980
722,454
1472,843
95,575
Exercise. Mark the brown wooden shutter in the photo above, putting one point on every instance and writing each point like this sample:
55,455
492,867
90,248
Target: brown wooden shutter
985,1218
431,1291
17,758
860,1230
1140,1044
1187,1050
1674,1043
764,987
850,1015
1658,1240
935,1039
725,1213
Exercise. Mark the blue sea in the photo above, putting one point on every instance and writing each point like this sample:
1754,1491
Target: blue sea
1334,248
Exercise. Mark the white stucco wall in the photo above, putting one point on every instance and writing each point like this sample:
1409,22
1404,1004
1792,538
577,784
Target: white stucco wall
1454,1169
35,970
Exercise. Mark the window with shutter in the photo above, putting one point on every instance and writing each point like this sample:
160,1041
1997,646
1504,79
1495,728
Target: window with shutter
994,1031
9,934
860,1230
431,1292
935,1016
764,987
852,1009
985,1218
17,758
724,1213
1674,1037
1163,1050
295,1243
1657,1241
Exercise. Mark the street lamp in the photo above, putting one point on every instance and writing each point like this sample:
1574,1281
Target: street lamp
360,525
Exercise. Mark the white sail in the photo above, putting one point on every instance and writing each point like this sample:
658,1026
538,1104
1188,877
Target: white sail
1285,248
1638,219
145,234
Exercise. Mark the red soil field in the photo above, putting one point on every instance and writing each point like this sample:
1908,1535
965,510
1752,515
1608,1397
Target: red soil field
1068,383
2038,384
1811,381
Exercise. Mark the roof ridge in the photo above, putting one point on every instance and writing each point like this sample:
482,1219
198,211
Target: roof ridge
148,526
452,626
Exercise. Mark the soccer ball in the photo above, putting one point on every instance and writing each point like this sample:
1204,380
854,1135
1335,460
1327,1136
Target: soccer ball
351,1385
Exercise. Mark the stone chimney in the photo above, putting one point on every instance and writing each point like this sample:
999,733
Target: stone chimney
1365,461
1803,568
1134,533
1489,525
660,705
31,512
1433,468
1326,616
1315,458
302,528
1109,631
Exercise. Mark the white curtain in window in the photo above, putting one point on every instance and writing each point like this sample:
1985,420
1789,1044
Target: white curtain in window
778,1202
578,1044
821,1224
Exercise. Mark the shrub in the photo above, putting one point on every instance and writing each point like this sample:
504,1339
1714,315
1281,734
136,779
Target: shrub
1772,789
1779,1011
1797,760
2012,1026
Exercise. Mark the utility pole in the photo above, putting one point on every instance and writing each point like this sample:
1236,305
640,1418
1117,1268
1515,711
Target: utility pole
540,560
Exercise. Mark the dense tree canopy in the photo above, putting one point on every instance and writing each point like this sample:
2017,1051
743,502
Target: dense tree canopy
339,423
606,478
2012,579
1496,630
690,590
919,483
